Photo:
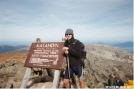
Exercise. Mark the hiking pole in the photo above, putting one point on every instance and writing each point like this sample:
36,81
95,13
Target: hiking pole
68,71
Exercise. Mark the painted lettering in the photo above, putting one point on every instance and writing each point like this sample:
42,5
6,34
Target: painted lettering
48,45
38,60
41,52
53,52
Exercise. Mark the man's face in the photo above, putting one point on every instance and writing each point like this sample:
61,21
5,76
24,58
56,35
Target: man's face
116,76
69,36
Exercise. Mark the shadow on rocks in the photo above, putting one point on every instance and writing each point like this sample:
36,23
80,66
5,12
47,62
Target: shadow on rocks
39,80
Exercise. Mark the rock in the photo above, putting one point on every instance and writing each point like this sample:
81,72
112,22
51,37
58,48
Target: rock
9,85
20,73
2,65
9,71
10,63
38,80
42,85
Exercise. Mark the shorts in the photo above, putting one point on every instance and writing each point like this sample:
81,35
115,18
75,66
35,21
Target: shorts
77,69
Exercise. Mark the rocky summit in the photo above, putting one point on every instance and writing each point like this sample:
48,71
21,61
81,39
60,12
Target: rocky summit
102,60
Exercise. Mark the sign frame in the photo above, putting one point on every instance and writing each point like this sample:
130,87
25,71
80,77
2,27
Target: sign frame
45,55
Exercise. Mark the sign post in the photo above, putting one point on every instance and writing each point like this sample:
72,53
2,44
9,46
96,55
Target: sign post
44,55
26,78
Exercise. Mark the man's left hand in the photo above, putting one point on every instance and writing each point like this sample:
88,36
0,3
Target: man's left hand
65,48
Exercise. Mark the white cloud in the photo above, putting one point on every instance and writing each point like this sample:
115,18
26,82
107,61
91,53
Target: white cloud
90,19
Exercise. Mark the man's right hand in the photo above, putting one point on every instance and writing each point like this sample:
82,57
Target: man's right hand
66,52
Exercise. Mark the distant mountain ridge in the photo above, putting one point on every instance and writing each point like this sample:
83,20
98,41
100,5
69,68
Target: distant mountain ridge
127,46
124,44
19,48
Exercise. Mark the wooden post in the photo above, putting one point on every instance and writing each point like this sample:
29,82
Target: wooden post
56,79
26,78
57,75
27,73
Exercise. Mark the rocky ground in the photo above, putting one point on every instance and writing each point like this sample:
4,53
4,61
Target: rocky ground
12,69
102,60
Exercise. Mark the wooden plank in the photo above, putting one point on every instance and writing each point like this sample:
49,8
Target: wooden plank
26,78
28,72
57,75
56,79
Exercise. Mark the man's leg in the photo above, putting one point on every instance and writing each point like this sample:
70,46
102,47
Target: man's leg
66,83
66,80
81,81
80,75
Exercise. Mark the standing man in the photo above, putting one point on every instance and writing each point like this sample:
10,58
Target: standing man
72,51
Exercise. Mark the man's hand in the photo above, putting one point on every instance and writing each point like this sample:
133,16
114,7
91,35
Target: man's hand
65,48
66,52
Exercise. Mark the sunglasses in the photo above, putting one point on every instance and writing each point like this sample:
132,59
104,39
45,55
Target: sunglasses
68,34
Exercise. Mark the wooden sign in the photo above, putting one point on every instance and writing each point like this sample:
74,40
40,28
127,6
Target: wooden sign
45,55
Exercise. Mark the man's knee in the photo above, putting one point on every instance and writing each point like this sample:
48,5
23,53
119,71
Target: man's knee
66,81
81,80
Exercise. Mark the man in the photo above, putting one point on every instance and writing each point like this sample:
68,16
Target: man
72,52
114,80
119,82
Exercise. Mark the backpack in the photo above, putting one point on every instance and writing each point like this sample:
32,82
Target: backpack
83,50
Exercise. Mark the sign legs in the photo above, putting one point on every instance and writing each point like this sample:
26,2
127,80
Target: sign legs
56,79
26,78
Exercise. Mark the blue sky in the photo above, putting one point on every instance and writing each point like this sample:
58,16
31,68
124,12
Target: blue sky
91,20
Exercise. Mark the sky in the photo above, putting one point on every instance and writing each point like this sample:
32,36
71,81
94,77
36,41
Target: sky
24,21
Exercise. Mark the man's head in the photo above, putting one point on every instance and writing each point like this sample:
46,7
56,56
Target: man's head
69,34
116,75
